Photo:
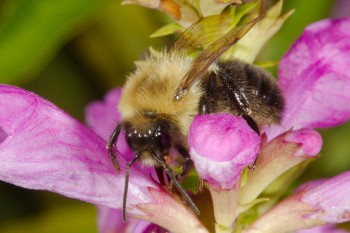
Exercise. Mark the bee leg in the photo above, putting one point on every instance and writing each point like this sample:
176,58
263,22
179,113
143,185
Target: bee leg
111,143
234,94
251,123
164,179
186,167
254,126
188,164
171,175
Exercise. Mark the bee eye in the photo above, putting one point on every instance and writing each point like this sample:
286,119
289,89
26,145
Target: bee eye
165,140
157,140
133,138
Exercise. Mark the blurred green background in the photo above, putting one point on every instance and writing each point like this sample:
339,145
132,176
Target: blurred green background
72,52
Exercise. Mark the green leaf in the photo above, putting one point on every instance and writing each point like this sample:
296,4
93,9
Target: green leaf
250,45
167,30
241,11
31,33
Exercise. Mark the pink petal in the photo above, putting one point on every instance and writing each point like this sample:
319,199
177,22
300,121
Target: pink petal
323,229
278,156
110,221
330,199
103,117
170,214
286,216
314,78
145,227
317,204
221,145
309,140
46,149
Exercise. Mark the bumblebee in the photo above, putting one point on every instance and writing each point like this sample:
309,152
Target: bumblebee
168,89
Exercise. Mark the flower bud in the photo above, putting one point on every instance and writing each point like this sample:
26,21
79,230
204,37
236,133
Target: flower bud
221,145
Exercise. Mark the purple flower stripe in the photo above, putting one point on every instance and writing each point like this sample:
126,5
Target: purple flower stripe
314,77
330,228
330,198
46,149
320,203
110,221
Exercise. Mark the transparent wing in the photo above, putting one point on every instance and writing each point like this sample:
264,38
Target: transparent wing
215,50
202,33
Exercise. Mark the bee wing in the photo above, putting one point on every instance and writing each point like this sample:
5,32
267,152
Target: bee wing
200,34
215,50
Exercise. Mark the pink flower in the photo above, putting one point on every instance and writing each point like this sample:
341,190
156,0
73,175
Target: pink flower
314,77
41,147
323,229
44,148
324,202
238,144
110,221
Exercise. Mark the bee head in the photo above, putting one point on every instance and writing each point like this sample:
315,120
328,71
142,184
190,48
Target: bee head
152,137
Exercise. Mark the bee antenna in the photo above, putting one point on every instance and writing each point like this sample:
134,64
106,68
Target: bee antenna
126,185
177,185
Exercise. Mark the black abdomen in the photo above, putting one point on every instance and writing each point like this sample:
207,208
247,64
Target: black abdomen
243,89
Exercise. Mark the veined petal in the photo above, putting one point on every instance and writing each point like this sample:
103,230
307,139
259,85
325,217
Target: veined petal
103,116
325,202
330,199
286,216
278,156
170,214
221,145
314,78
110,221
330,228
46,149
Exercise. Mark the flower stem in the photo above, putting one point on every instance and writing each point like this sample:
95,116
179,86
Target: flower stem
225,203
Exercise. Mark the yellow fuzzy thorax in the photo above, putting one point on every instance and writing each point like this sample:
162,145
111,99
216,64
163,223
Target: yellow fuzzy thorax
152,88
